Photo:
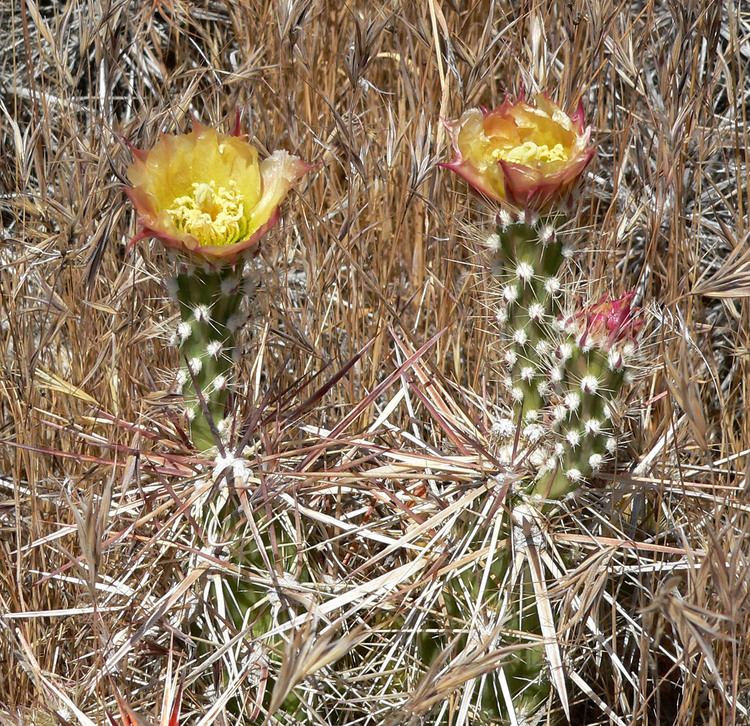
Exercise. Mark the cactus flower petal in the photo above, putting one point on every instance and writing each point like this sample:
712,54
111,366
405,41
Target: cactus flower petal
528,156
207,194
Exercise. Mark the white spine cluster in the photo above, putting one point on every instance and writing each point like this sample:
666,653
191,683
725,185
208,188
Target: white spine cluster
202,313
592,426
573,437
184,331
536,311
172,287
524,272
494,242
504,428
589,384
533,432
510,293
229,286
504,219
552,286
214,348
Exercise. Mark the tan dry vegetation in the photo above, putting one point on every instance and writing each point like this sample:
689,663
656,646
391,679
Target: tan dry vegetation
379,252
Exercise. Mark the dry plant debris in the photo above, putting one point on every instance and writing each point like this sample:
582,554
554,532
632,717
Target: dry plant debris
369,382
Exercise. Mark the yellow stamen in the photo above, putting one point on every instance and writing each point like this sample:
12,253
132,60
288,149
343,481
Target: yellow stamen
213,215
530,153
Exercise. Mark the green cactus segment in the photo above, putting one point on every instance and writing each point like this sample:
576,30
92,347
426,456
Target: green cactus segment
591,379
526,669
210,307
527,256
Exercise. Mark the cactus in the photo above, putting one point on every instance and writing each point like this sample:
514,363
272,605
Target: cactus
562,371
211,303
209,199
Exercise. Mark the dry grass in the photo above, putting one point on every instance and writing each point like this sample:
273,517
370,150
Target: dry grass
377,256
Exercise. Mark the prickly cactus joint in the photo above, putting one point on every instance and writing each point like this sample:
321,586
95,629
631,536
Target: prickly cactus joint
526,258
211,310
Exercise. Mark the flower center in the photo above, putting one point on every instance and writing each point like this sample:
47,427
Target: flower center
530,153
213,215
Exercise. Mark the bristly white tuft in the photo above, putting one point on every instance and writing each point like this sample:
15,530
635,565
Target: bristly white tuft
202,313
536,311
229,286
184,331
592,426
589,384
504,219
494,242
524,272
510,293
504,428
214,348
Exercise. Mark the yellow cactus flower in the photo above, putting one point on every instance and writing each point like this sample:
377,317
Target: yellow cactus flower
207,194
528,156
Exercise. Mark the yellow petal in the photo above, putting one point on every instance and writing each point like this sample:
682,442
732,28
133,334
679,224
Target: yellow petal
278,173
